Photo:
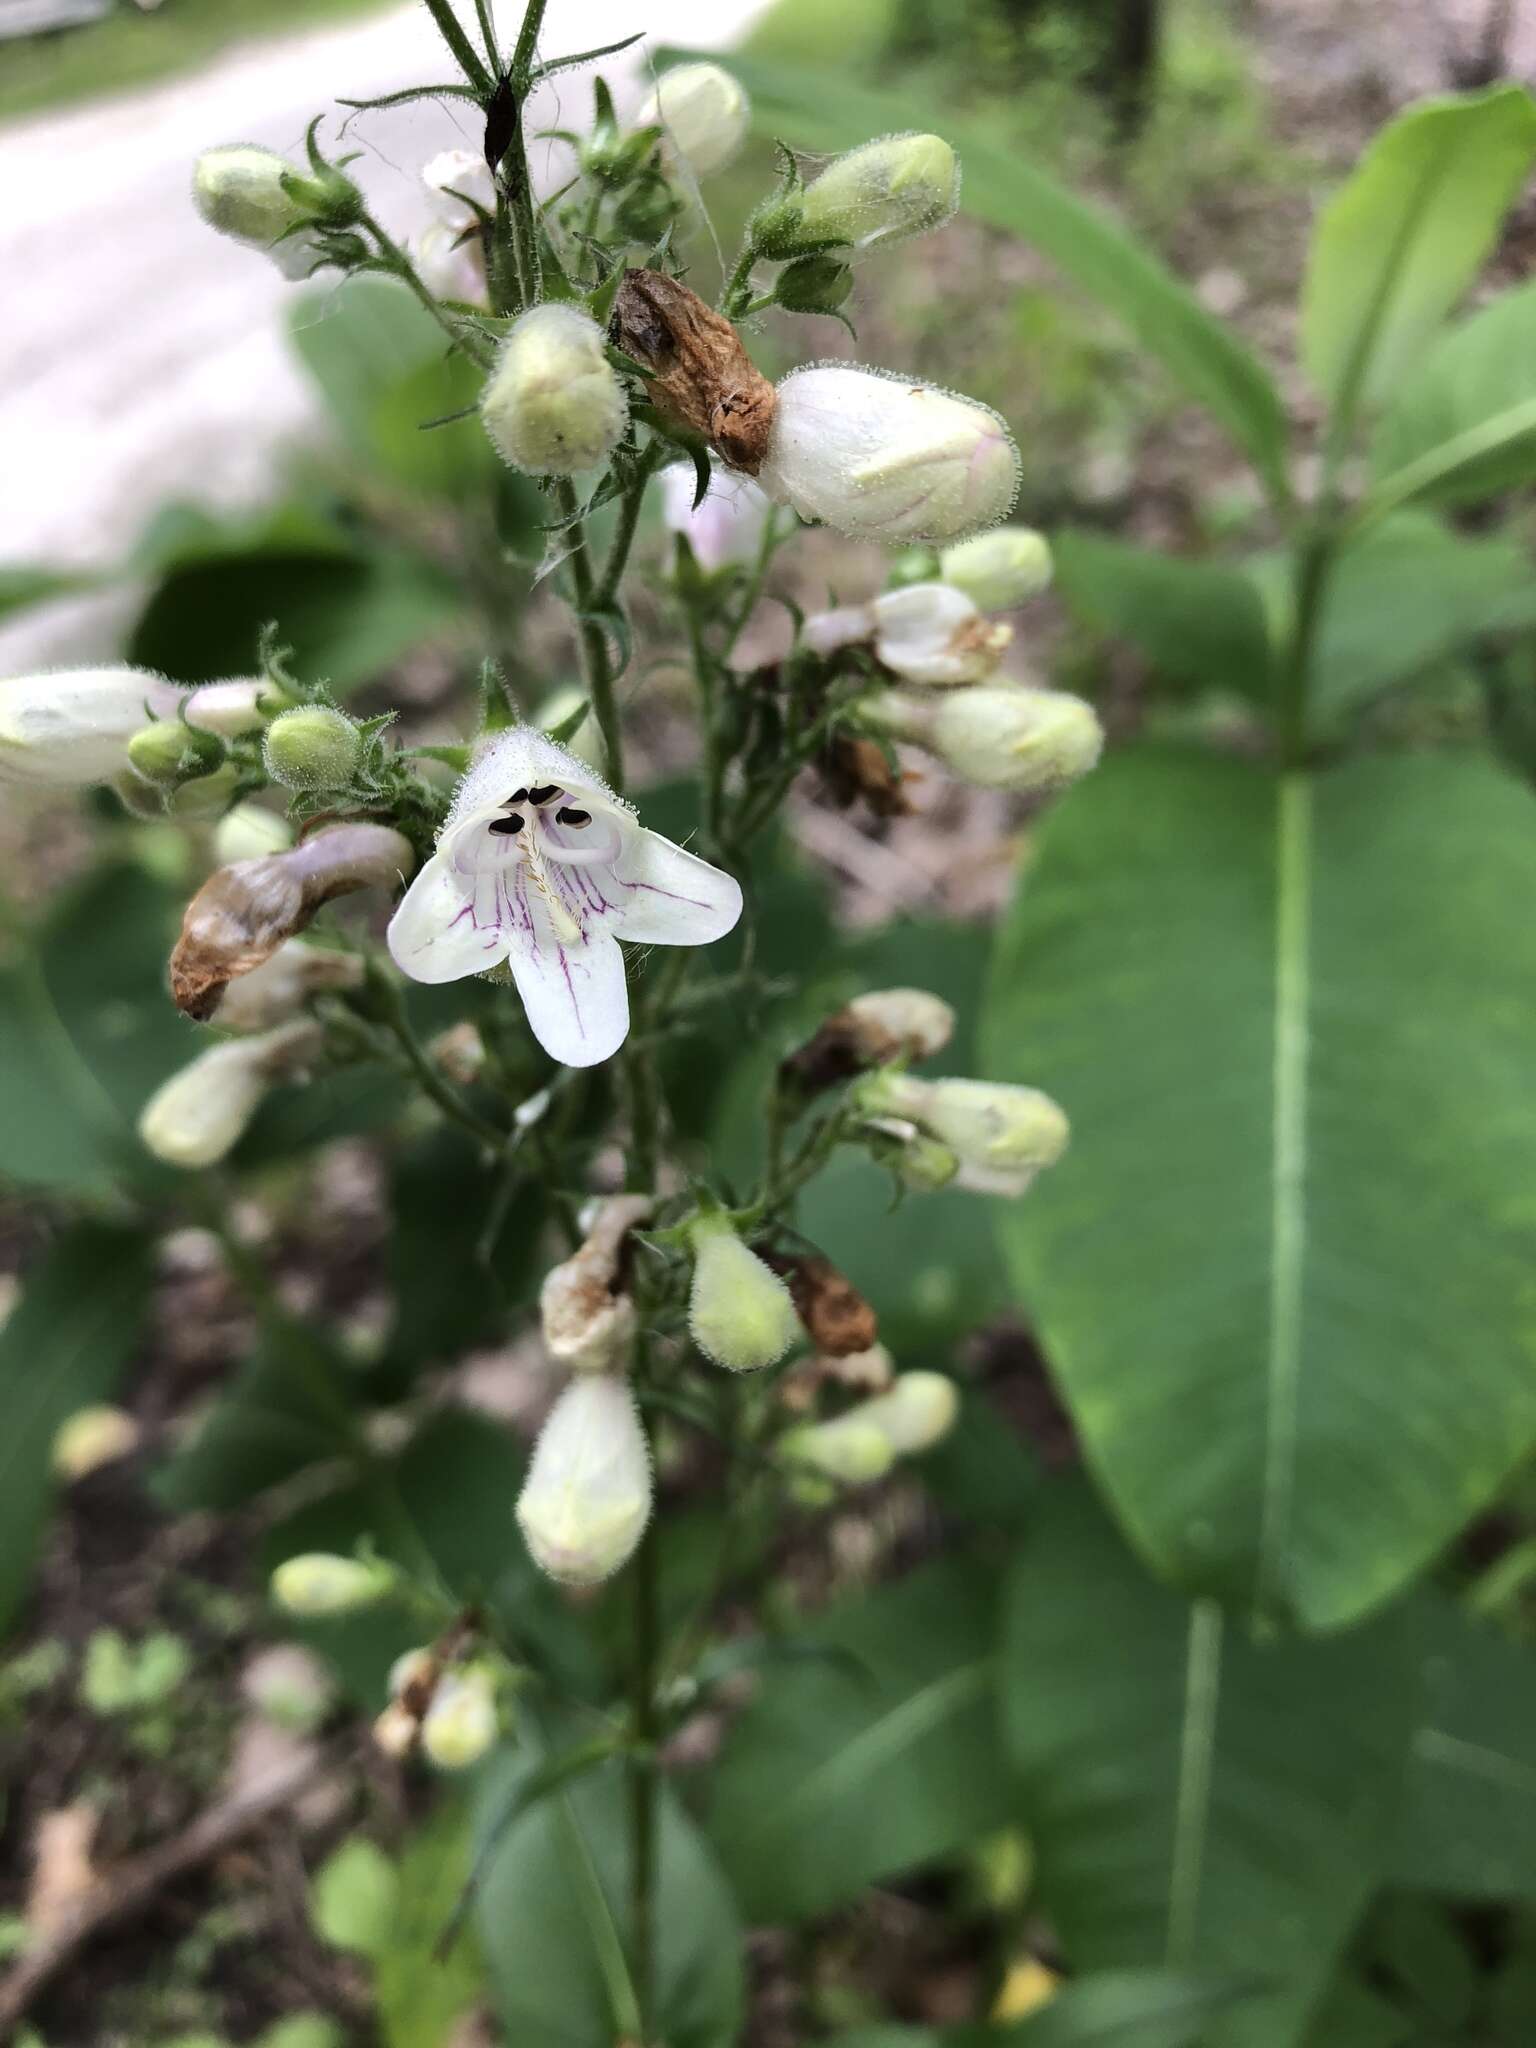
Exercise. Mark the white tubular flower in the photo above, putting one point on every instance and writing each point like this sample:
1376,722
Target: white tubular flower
71,727
238,190
1005,736
540,865
462,1723
319,1584
728,525
91,1437
588,1322
200,1113
448,251
739,1310
887,458
271,993
705,114
1002,1135
587,1497
882,192
899,1023
1001,569
459,180
554,405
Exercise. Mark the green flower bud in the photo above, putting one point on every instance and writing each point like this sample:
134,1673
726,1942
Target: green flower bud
883,192
704,112
554,405
461,1723
206,796
587,1497
814,284
1000,569
241,191
999,736
204,1109
775,227
319,1584
923,1163
739,1310
314,747
917,1412
170,753
1002,1134
846,1450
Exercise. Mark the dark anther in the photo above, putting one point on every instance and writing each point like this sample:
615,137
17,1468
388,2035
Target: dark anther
566,816
543,793
508,827
518,796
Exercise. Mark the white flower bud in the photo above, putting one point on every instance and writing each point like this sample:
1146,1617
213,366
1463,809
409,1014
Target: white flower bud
588,1321
272,992
71,727
887,458
704,111
740,1311
461,1723
918,1411
239,705
411,1667
395,1731
91,1437
200,1113
1001,569
319,1584
728,525
587,1497
238,190
449,262
554,405
1003,1135
846,1450
882,192
1002,736
929,633
899,1023
247,832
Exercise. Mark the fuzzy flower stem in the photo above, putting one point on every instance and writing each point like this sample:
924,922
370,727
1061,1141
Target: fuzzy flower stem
386,988
463,49
597,668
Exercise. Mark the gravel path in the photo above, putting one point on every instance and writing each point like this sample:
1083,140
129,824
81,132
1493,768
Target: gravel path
142,357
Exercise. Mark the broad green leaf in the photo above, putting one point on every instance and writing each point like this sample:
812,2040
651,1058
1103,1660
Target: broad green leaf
553,1916
851,1768
1283,1276
1111,2009
421,1994
1405,595
1352,2015
1196,622
1468,1827
64,1346
1463,424
25,583
1396,248
825,110
1194,1799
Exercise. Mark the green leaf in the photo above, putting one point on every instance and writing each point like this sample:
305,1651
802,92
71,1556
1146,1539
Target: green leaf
1197,622
1289,1020
851,1768
1112,2009
363,344
65,1345
1468,1828
352,1898
1195,1799
23,584
828,110
1352,2015
421,1994
1397,247
1463,424
554,1909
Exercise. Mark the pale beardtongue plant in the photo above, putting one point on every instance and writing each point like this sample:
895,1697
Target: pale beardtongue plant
604,372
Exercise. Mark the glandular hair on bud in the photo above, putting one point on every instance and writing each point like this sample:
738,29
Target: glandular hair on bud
318,1584
998,736
882,192
461,1724
887,458
239,190
92,1437
587,1497
169,753
1001,569
704,111
740,1312
313,747
554,405
202,1112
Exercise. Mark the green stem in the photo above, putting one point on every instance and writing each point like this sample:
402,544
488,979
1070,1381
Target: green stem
463,49
629,519
596,665
433,1083
642,1782
474,345
516,181
1317,552
736,283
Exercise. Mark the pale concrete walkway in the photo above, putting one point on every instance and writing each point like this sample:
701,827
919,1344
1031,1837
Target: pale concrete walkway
141,356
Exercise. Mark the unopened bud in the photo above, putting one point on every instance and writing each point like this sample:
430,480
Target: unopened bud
282,985
587,1497
395,1731
289,1686
238,705
314,747
1002,736
413,1675
1002,1134
240,190
319,1584
169,753
248,831
882,192
1001,569
71,727
200,1113
588,1320
846,1450
813,284
917,1412
887,458
739,1310
704,112
899,1023
206,796
921,1163
461,1723
554,405
92,1437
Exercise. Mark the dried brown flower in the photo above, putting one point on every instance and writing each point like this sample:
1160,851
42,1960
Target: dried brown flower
701,375
837,1318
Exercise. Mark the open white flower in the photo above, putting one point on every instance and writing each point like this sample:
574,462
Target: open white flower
540,865
727,524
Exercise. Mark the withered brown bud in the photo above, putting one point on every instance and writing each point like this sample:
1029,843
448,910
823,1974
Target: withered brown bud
588,1320
855,767
871,1031
837,1318
243,912
701,375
